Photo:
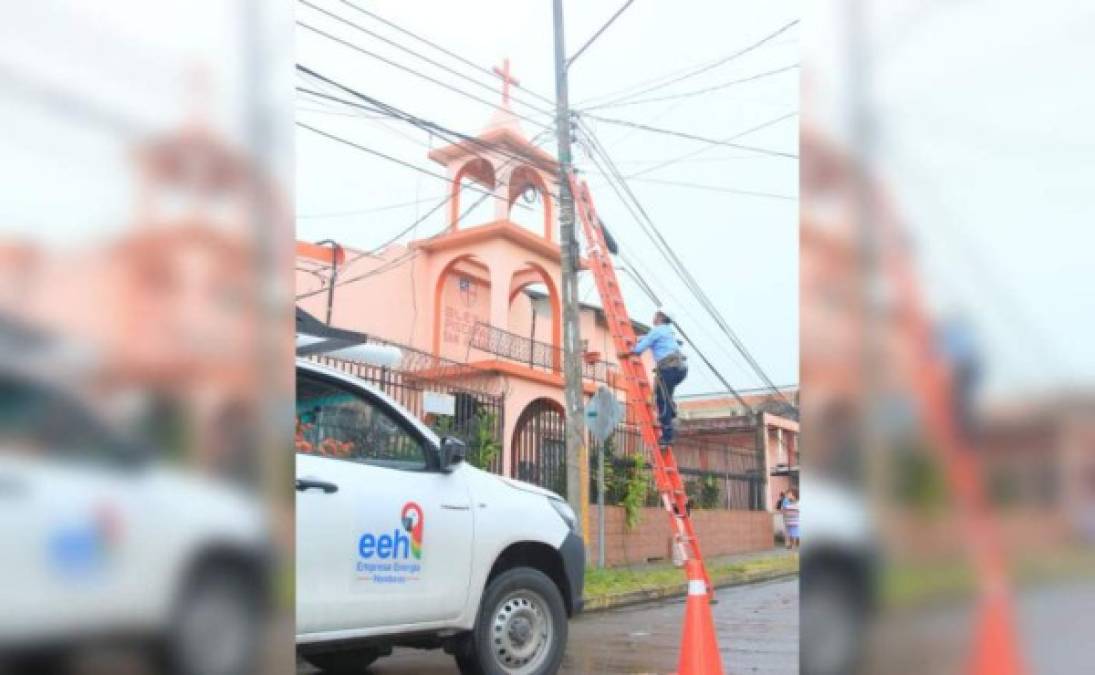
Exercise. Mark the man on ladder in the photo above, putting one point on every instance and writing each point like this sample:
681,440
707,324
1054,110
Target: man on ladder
670,368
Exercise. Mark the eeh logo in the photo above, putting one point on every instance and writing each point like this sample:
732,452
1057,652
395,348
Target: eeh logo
413,522
398,544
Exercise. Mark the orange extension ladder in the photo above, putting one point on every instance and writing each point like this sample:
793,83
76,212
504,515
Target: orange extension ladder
699,645
994,649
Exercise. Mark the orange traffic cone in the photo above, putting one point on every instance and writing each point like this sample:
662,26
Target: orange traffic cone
699,644
995,648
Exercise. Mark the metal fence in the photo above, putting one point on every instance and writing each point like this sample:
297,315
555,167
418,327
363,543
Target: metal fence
716,475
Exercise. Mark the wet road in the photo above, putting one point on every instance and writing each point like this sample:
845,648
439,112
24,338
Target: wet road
757,626
1054,625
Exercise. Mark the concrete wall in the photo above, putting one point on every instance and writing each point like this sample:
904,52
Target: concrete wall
910,536
721,533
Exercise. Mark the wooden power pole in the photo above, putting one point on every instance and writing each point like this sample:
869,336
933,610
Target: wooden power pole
577,463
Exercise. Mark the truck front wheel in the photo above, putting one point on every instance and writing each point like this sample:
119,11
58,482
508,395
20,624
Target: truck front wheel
521,628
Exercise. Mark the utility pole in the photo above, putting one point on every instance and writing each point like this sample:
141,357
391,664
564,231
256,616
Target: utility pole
576,451
872,439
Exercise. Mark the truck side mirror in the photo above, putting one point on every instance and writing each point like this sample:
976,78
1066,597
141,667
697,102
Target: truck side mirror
453,451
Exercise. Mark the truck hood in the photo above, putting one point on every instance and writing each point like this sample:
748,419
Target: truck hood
528,487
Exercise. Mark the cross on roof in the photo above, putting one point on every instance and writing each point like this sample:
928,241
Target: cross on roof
507,80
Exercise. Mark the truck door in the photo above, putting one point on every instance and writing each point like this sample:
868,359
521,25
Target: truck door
73,517
383,537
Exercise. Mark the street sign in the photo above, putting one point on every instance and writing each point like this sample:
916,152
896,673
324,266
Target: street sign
603,414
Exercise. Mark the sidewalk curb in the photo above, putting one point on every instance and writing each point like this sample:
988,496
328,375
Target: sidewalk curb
606,602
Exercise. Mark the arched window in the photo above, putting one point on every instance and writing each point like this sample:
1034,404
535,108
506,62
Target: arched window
530,204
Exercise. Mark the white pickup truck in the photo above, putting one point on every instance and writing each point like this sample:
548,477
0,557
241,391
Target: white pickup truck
105,544
400,543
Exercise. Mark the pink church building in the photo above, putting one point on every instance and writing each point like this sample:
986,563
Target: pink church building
482,295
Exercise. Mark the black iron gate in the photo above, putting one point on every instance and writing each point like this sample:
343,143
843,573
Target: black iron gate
539,446
715,474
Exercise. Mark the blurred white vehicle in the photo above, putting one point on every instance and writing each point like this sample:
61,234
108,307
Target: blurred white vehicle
837,581
103,542
402,543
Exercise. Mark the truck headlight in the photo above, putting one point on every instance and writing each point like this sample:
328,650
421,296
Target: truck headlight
565,512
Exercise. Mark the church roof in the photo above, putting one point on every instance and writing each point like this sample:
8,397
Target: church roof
508,141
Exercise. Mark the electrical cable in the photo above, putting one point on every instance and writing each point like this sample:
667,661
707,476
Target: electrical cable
635,267
358,212
635,274
454,137
687,278
697,92
677,76
427,125
736,136
682,271
716,188
596,35
333,38
427,59
395,160
691,137
413,252
443,50
707,362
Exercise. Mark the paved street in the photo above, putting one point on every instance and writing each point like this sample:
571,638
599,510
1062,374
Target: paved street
1054,625
757,625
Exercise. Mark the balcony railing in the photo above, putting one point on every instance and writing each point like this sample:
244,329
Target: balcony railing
533,353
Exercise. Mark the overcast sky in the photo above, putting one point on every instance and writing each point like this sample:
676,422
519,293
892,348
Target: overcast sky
983,107
984,113
743,249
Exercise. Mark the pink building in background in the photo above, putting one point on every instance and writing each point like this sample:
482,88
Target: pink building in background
484,294
163,315
477,308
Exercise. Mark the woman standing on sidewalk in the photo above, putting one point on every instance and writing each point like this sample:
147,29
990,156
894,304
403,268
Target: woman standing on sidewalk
790,518
782,519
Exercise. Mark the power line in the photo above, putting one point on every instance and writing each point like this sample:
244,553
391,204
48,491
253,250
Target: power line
412,71
736,136
422,123
453,137
412,52
636,274
395,160
703,357
641,271
677,76
374,104
717,188
600,30
443,50
406,257
697,92
691,137
358,212
682,271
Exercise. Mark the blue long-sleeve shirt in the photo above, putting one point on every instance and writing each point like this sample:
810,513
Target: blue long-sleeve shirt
660,341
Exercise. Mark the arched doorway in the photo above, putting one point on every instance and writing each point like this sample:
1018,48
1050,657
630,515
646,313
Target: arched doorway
538,450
